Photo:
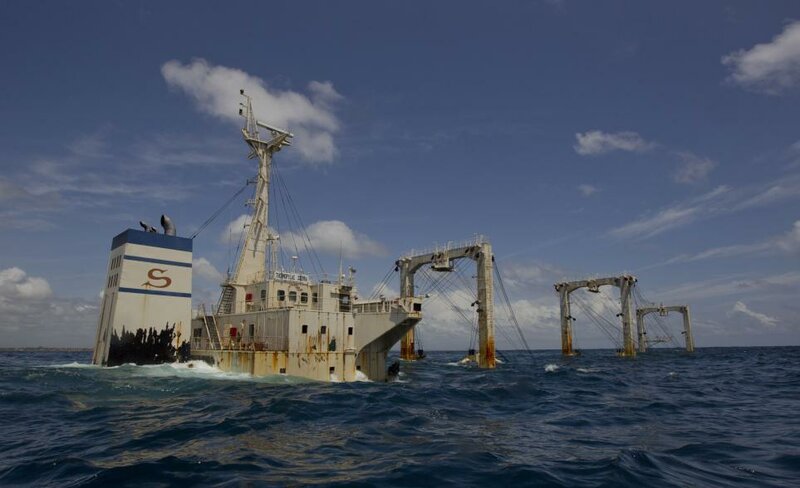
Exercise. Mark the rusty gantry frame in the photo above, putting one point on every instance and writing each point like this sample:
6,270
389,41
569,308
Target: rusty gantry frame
440,259
625,283
664,311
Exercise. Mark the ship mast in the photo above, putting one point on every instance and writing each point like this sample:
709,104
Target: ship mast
251,264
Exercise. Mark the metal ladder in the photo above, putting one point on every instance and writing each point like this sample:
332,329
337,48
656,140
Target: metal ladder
225,300
210,322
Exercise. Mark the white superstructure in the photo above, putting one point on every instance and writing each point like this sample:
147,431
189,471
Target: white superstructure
275,321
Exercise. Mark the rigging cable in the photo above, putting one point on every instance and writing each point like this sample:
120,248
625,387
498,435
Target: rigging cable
307,244
507,301
219,210
603,323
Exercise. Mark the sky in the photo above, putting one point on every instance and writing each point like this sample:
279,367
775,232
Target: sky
583,139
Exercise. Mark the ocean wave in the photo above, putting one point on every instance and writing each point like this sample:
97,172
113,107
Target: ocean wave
593,420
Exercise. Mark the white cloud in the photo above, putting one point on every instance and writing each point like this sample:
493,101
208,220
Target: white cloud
659,222
215,90
587,190
730,285
331,236
326,236
27,304
789,242
439,314
741,308
526,275
235,229
535,315
772,67
15,284
720,201
598,142
202,268
382,290
693,168
785,189
721,252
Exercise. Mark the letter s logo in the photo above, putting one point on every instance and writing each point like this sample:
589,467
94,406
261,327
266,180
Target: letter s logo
158,278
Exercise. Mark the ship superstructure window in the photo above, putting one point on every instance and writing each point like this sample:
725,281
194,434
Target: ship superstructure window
305,329
292,296
304,297
349,331
281,295
263,294
314,297
323,329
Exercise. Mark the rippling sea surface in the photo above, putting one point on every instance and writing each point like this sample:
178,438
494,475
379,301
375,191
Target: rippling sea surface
719,417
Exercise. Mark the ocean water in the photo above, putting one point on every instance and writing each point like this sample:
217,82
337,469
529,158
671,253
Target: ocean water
719,417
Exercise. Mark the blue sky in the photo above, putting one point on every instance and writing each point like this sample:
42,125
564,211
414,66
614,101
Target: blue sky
583,138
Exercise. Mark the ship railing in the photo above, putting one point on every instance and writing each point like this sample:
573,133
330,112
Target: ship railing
244,343
478,240
381,305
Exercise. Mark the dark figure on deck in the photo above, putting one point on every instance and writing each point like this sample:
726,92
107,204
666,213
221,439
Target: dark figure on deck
394,370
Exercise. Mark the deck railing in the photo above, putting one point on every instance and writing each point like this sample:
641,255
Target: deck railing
245,343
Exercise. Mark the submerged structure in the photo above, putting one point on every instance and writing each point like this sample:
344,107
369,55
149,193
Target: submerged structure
441,261
271,320
663,311
146,310
625,283
268,320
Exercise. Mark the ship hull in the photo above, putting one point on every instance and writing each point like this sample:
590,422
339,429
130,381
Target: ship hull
322,347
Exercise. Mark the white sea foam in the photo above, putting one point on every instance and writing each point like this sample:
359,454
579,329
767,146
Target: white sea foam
551,368
191,369
585,370
360,376
76,364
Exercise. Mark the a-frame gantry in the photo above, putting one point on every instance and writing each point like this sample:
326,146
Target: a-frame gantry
664,311
440,259
625,283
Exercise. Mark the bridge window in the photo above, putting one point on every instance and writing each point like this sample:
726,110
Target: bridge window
323,329
305,329
292,296
304,297
281,295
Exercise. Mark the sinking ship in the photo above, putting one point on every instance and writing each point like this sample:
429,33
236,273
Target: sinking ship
267,321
